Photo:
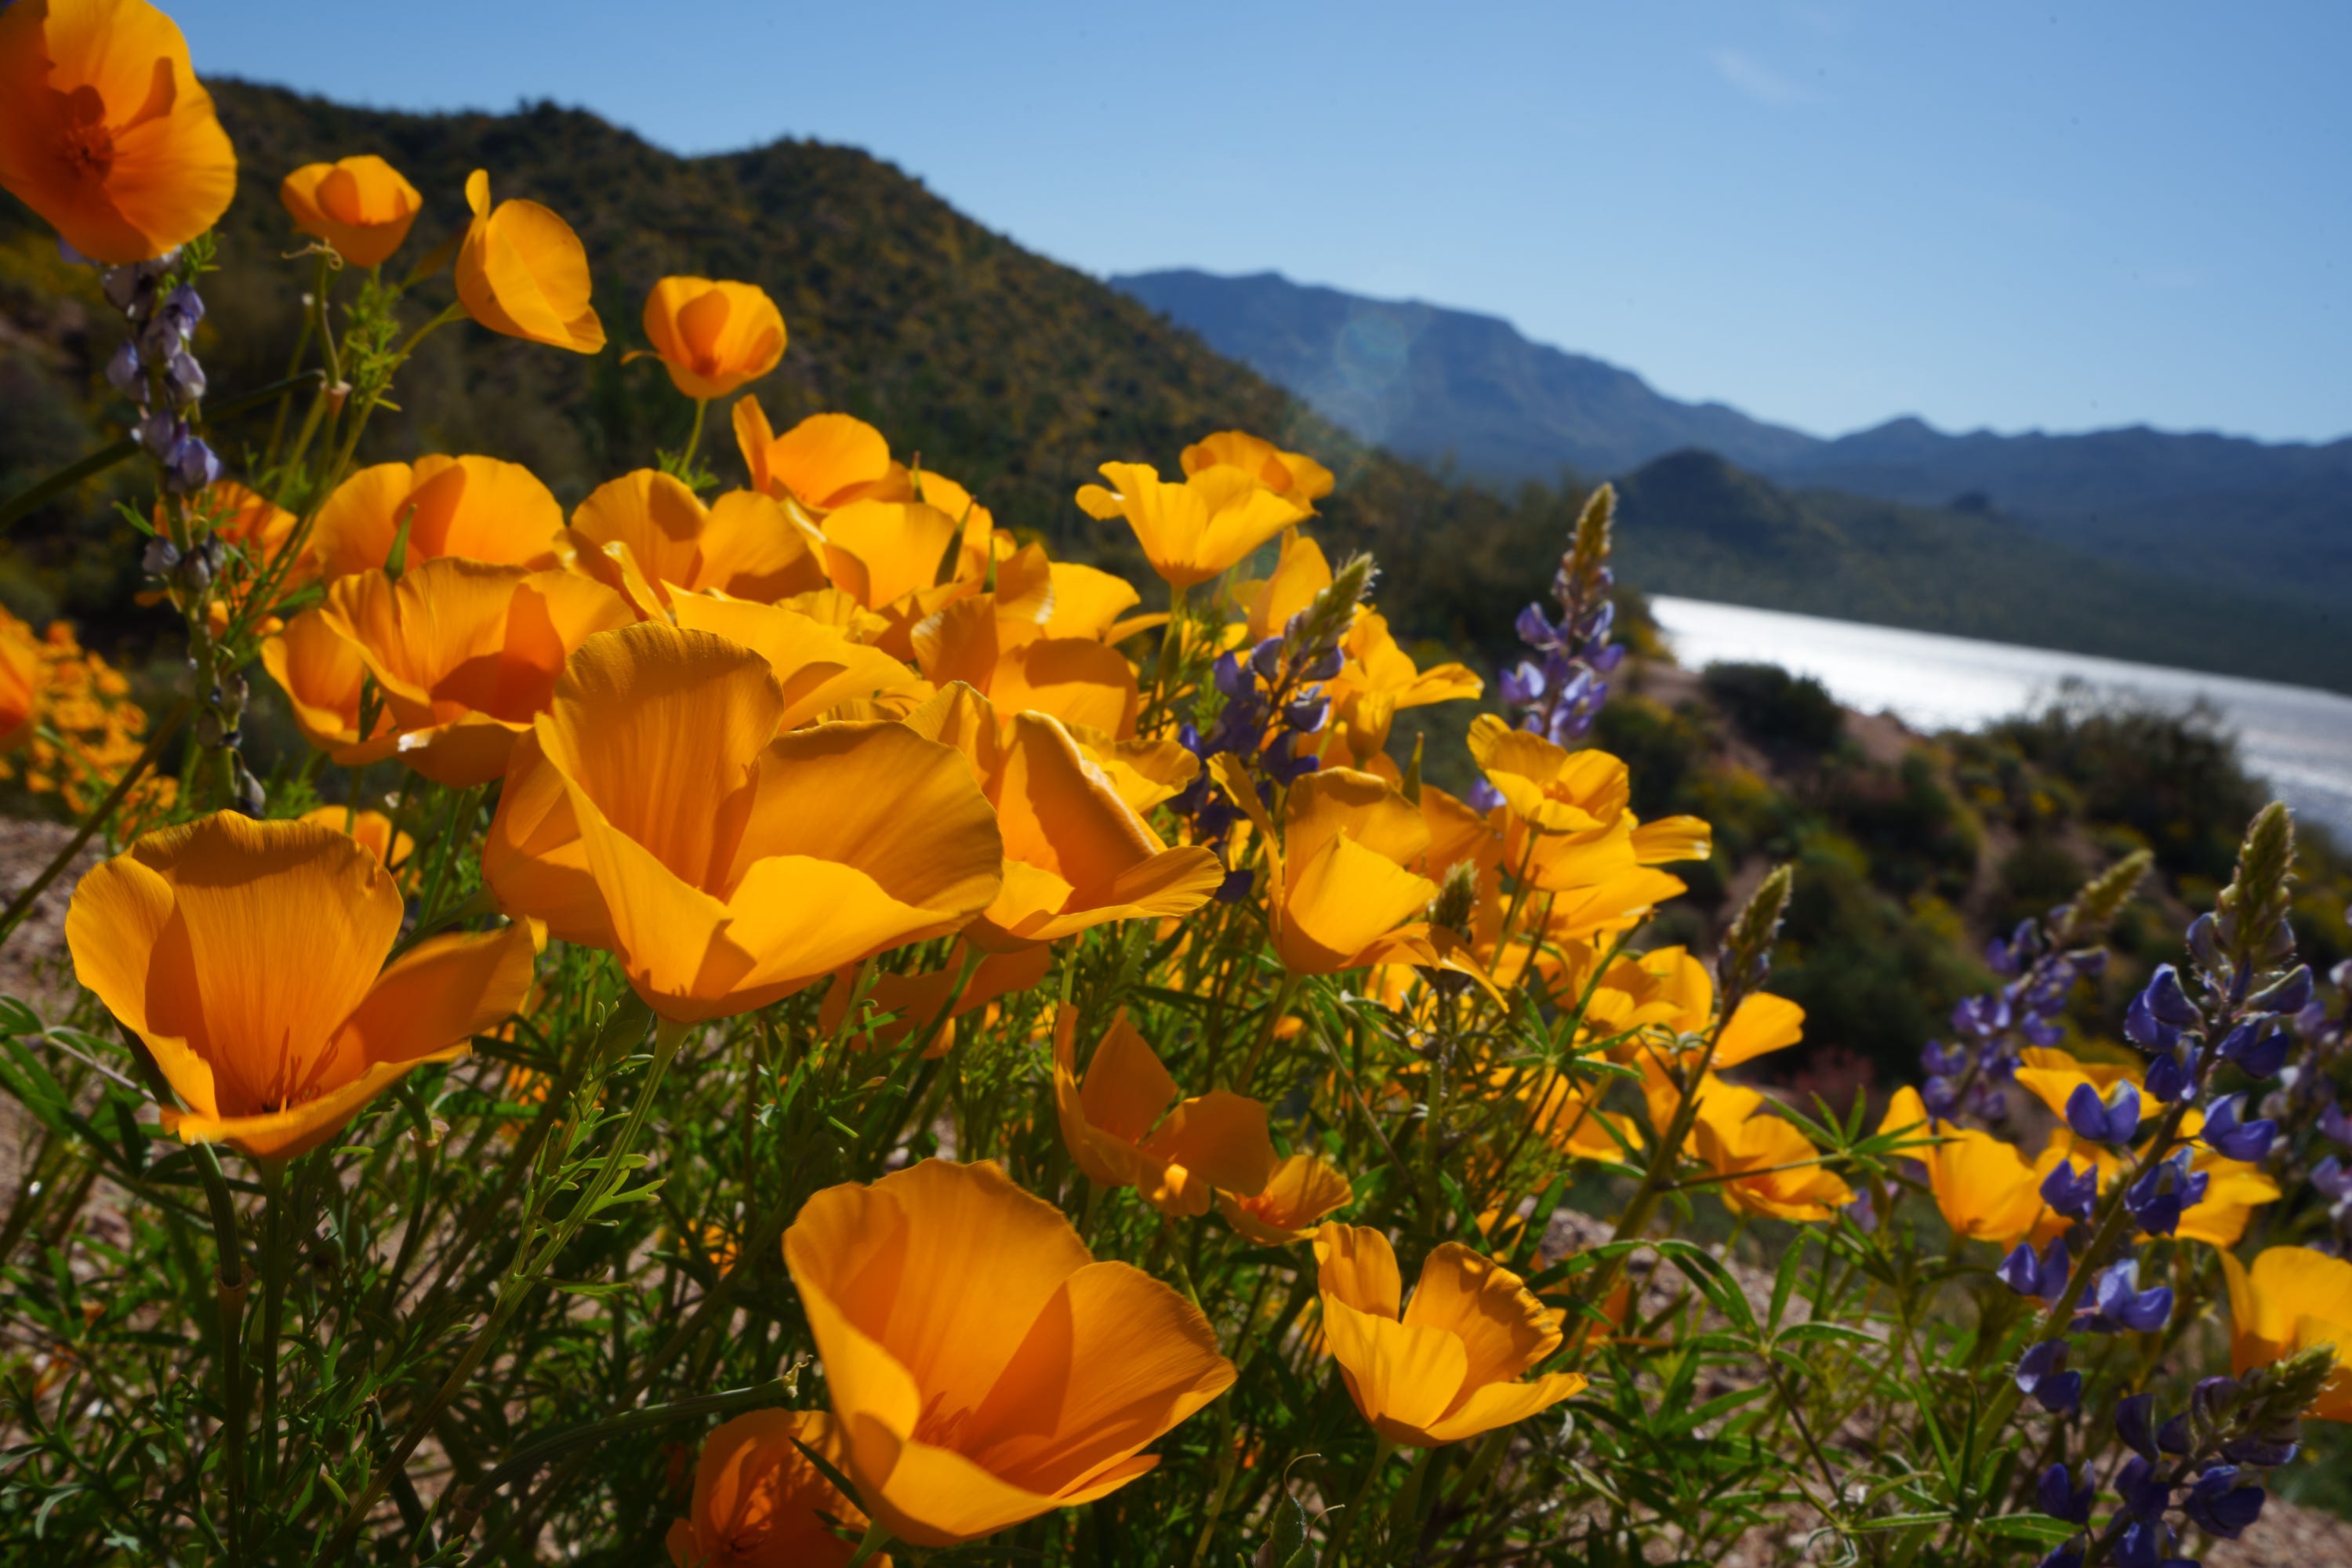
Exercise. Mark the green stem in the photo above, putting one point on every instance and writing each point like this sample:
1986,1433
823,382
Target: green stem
694,436
1335,1552
667,1036
232,1282
874,1541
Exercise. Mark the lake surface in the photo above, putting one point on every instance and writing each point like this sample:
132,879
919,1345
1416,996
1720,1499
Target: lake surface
2297,739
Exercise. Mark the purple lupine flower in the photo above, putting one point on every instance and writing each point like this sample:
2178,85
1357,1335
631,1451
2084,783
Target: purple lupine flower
2112,1121
2043,1277
2118,1305
2226,1135
2144,1492
2061,1498
2070,1192
2157,1197
2042,1372
2220,1506
2135,1423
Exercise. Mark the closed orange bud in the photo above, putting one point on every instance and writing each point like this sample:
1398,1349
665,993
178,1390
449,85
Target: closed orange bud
477,508
1445,1366
2291,1299
1193,531
713,337
983,1367
1301,1192
759,1502
361,205
522,271
655,810
1293,476
105,131
185,936
1125,1127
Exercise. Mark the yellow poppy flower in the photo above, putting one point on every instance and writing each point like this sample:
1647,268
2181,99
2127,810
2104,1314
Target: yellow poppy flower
105,131
1769,1165
725,865
1120,1127
2291,1299
1293,476
1075,855
818,667
741,544
184,938
1301,1192
1193,531
361,205
477,508
712,337
983,1367
522,271
1446,1366
759,1502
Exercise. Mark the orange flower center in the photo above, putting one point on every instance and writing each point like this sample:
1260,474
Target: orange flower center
87,146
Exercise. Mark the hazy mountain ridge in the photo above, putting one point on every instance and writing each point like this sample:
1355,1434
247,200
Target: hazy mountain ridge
1444,384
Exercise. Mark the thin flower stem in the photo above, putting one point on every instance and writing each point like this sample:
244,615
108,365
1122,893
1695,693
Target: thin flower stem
667,1036
874,1541
232,1281
1335,1552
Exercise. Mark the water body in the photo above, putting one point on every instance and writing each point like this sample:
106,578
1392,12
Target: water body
2296,739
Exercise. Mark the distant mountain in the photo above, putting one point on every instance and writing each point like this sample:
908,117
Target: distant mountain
1450,385
1440,384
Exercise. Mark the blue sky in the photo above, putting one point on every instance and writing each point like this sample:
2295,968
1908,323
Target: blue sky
2055,216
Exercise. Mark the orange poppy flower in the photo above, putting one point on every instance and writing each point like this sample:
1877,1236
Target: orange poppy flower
984,1368
1193,531
818,667
372,830
1293,476
726,866
1337,884
1120,1129
1075,855
759,1503
2291,1299
360,206
477,508
463,654
713,337
1301,1192
522,271
1013,664
1767,1164
741,544
826,461
184,938
105,131
1446,1365
915,999
20,682
1379,680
